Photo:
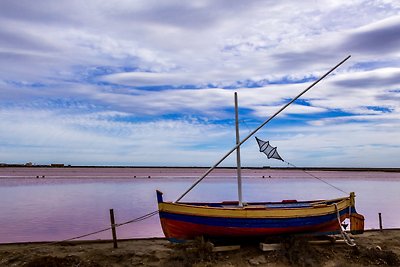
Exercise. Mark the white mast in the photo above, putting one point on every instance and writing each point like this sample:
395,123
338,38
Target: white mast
239,170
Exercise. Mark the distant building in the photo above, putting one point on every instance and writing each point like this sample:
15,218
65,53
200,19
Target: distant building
57,165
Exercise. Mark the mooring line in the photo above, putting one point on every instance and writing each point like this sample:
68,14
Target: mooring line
142,218
138,219
345,236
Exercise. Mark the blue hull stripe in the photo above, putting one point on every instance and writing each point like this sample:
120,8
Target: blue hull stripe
252,222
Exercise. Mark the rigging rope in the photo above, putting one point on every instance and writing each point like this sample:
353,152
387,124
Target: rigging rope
318,178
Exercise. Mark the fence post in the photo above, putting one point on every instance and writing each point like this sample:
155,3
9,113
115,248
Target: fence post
114,233
380,221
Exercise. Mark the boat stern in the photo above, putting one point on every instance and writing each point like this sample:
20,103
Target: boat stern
356,219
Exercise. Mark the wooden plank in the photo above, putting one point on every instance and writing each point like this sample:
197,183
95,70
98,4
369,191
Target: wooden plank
226,248
269,247
326,242
255,207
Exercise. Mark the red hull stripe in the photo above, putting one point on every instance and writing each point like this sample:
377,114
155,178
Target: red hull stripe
179,230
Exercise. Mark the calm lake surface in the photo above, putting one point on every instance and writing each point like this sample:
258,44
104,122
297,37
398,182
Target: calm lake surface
69,202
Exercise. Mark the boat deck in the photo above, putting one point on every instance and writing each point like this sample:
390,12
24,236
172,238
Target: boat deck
262,205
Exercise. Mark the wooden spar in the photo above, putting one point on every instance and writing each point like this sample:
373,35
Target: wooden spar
259,127
239,171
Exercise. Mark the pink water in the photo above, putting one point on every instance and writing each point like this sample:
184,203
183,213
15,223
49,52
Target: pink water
70,202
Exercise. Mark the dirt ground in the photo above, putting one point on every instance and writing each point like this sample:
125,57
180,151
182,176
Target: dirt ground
373,248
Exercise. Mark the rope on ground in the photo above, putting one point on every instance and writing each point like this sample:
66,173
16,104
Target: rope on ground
138,219
345,236
322,180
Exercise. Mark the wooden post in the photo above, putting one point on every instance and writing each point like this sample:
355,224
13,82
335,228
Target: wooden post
380,221
114,233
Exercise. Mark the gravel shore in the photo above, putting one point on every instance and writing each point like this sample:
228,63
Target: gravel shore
374,248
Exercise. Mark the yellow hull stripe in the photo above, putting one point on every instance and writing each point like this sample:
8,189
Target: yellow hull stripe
243,212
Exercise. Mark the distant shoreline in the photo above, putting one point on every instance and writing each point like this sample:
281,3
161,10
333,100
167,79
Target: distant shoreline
358,169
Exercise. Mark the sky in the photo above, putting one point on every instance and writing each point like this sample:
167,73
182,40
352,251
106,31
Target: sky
151,83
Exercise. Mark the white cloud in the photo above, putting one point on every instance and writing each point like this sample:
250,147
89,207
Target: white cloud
56,56
96,138
154,37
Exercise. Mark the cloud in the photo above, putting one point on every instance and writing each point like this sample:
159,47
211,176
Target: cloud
382,37
264,40
84,78
382,78
104,137
75,137
152,79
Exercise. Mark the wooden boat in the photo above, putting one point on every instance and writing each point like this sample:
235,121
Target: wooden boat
183,220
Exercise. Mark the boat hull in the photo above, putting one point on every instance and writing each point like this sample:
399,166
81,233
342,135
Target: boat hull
184,221
183,230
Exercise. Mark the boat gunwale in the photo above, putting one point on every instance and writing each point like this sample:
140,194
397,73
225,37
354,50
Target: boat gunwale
229,203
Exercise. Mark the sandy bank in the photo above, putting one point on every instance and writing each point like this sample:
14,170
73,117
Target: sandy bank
373,248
